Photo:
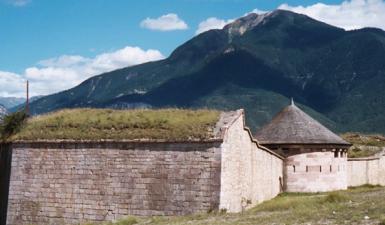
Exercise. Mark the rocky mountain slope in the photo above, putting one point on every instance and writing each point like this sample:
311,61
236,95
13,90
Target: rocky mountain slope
257,62
3,111
9,102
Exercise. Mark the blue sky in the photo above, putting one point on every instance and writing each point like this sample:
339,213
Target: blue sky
36,34
48,28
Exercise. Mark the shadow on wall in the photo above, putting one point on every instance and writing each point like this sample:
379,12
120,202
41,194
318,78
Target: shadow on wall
5,169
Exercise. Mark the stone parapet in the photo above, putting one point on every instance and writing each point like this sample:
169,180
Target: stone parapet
68,183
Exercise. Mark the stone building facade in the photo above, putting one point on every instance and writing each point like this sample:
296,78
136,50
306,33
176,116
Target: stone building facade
69,182
315,157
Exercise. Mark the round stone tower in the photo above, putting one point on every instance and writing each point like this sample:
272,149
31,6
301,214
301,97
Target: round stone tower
315,157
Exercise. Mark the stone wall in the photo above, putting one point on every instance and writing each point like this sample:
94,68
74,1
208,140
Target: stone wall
363,171
316,171
67,183
250,173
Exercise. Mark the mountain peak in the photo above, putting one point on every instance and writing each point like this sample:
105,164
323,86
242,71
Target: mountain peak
251,20
243,24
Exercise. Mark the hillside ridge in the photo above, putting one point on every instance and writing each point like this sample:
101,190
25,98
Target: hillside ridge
329,71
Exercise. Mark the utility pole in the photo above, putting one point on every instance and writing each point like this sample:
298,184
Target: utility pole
27,101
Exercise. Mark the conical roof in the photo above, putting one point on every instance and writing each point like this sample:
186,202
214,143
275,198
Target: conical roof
293,126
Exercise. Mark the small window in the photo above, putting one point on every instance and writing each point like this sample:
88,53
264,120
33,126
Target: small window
335,154
307,169
331,169
320,168
294,168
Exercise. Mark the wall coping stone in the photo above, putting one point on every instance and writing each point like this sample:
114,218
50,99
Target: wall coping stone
241,113
124,145
364,159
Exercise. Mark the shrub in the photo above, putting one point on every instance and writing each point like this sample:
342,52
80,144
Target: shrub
335,197
12,123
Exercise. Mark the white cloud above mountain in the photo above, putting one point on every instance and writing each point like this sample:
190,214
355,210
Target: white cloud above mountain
212,23
166,22
349,15
217,23
60,73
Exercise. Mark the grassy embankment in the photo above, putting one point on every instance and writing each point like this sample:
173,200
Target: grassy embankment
97,124
364,145
363,205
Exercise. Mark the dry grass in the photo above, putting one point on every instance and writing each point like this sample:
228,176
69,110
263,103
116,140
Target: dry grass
365,139
362,205
97,124
362,152
360,141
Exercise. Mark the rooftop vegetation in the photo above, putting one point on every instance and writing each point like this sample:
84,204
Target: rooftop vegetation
108,124
365,139
364,145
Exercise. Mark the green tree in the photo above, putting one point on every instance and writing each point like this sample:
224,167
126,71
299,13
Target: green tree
11,124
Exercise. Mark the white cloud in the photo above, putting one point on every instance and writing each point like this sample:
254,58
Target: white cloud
216,23
166,22
349,15
57,74
18,3
64,61
11,84
212,23
258,11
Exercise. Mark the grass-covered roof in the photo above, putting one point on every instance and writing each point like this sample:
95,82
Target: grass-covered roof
107,124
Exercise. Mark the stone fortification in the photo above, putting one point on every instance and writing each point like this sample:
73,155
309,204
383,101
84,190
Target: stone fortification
67,182
316,171
71,182
250,173
370,170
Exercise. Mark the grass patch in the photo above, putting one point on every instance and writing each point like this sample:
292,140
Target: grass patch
382,221
97,124
365,188
126,221
357,152
359,205
361,139
364,145
335,197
